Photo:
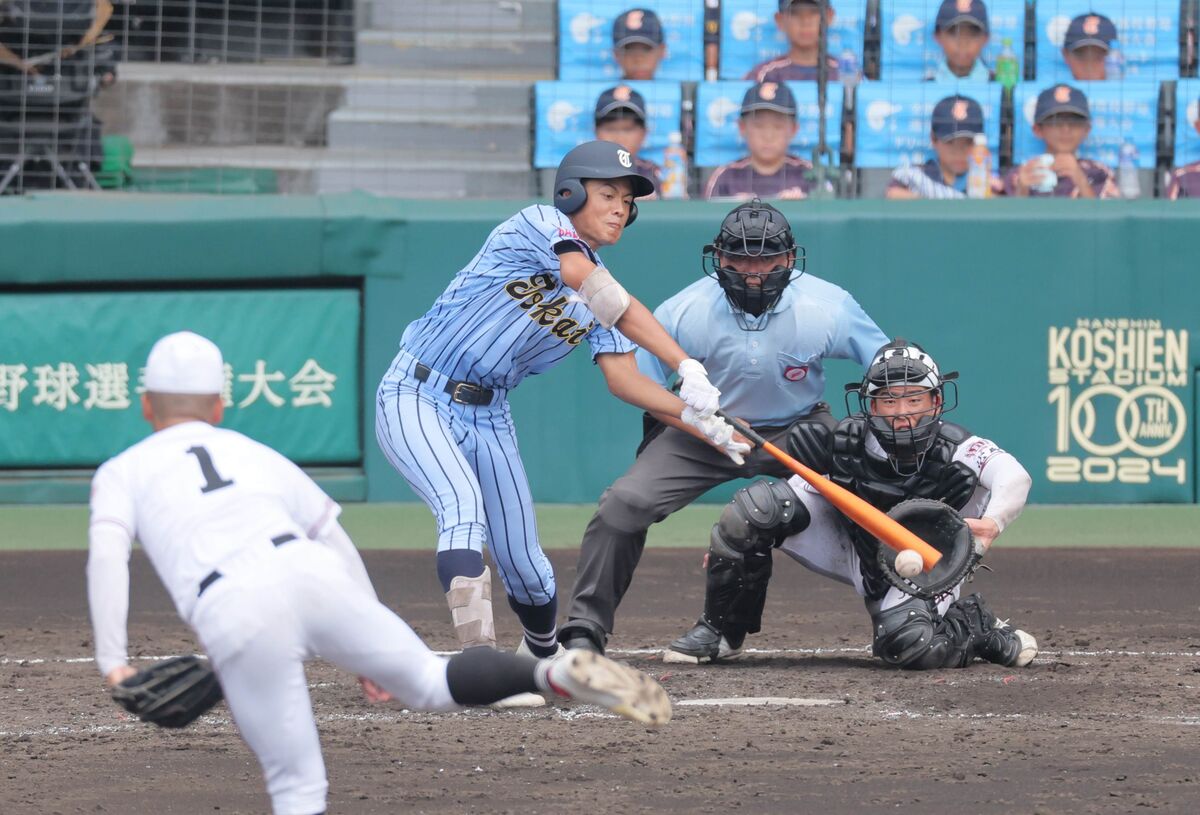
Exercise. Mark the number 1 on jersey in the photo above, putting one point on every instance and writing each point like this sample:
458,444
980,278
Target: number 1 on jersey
212,479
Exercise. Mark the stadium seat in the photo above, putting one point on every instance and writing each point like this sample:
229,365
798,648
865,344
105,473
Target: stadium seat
718,140
564,114
585,38
1121,112
749,35
1147,31
893,124
909,50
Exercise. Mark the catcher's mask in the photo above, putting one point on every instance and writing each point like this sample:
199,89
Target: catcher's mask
753,230
900,375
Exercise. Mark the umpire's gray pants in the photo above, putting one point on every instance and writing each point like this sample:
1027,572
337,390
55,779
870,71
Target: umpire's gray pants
672,471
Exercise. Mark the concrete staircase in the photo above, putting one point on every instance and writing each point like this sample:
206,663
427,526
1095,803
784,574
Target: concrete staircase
437,106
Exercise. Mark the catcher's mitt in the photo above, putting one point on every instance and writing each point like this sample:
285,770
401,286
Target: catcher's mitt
943,529
171,693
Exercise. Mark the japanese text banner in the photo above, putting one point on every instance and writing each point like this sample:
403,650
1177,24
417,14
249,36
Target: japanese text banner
71,368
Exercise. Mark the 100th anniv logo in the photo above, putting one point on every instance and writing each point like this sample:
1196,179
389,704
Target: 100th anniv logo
1115,386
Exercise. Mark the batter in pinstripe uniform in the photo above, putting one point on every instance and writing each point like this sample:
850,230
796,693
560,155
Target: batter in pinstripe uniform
535,291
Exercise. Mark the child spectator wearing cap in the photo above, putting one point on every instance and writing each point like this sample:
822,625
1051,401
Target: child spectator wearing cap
1086,44
638,45
800,22
961,29
768,124
956,121
1062,120
1185,181
621,118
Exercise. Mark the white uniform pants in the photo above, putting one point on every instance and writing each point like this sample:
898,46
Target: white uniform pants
825,548
268,614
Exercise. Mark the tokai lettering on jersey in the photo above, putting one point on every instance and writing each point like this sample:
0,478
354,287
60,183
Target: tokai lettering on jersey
530,294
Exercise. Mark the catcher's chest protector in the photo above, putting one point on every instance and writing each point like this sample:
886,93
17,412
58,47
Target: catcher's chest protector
940,477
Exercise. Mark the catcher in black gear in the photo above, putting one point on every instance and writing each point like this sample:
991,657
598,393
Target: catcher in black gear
956,490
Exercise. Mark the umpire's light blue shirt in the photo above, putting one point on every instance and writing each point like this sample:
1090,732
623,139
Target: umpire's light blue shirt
767,377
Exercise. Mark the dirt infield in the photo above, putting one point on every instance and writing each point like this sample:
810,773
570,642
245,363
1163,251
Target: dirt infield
1106,720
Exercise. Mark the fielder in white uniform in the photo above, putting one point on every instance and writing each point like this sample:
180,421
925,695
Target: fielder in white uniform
253,556
897,447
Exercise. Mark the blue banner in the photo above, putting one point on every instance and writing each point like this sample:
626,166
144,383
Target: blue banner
566,117
894,120
749,34
1121,112
1147,35
718,108
910,52
1187,114
585,46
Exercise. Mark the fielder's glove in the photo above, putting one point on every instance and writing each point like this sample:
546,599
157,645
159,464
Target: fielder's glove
171,693
943,529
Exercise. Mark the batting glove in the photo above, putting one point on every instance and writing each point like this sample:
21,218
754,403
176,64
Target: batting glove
719,434
696,391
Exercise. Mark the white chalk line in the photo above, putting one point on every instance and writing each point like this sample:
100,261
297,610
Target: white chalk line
1043,654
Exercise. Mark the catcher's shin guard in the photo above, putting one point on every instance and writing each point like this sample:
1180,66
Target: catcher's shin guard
470,601
912,636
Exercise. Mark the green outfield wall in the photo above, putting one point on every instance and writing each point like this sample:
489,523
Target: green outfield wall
1071,322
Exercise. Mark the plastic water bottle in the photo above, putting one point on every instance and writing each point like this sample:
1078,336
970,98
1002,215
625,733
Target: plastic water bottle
848,67
979,182
1007,69
675,173
1128,183
1114,63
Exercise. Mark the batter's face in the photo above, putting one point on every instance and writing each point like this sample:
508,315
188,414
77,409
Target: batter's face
638,60
755,268
628,132
954,155
768,134
601,220
1086,63
1063,132
962,44
905,405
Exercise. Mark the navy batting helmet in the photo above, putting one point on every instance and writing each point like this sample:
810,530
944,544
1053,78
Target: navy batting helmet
596,159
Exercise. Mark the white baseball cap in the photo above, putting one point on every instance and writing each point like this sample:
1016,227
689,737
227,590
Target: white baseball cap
184,362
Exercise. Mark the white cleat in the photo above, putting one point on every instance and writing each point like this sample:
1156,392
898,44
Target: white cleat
585,676
524,699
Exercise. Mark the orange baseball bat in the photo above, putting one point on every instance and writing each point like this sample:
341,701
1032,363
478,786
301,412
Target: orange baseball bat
853,507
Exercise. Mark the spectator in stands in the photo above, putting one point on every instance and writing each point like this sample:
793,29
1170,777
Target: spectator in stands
621,118
800,22
638,45
1185,181
1062,120
961,29
956,121
768,124
1086,46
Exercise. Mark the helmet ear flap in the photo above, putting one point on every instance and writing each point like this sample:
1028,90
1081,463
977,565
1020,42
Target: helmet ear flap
632,213
570,195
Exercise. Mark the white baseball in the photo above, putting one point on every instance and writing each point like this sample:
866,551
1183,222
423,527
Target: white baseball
909,563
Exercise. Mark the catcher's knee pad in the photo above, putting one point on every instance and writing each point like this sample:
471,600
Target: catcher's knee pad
913,636
760,516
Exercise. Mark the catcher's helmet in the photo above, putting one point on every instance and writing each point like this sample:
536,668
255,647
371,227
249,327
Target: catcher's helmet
596,159
904,365
755,230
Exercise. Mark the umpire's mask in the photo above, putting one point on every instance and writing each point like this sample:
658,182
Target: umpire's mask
892,397
753,230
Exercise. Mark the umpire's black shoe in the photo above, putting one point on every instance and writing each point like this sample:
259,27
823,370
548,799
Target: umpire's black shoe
579,635
995,640
703,644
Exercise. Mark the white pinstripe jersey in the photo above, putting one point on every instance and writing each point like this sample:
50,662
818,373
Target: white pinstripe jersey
507,315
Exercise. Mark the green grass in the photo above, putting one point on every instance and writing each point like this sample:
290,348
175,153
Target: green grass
410,526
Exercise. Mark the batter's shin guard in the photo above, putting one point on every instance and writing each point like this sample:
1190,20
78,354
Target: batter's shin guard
470,601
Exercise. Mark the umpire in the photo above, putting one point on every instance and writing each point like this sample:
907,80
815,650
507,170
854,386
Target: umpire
762,332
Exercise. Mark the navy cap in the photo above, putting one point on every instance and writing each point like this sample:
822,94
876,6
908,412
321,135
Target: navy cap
1090,29
638,25
621,97
953,12
774,96
957,117
1061,99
